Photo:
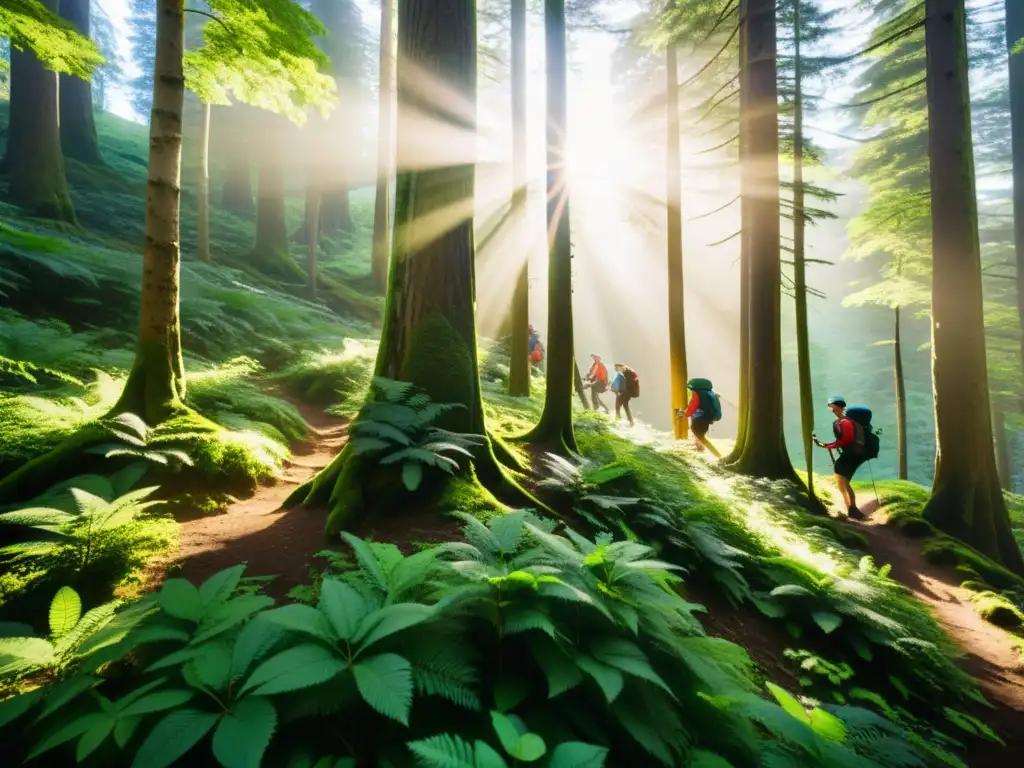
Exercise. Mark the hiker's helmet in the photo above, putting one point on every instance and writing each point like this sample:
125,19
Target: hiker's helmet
837,400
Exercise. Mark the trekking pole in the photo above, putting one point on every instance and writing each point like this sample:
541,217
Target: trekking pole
871,472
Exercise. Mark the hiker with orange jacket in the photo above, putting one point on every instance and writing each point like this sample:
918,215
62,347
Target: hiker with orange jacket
597,378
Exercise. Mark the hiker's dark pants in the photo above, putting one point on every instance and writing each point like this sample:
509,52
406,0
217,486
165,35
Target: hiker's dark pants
596,388
622,401
848,463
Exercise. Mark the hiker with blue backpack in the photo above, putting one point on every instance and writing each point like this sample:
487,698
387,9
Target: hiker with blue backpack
857,443
704,410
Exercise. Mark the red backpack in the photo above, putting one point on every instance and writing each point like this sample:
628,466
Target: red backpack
632,383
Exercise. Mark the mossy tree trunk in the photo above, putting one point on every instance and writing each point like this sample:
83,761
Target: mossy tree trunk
966,501
34,163
429,332
78,138
1014,32
803,340
743,416
519,366
901,397
156,384
674,210
203,188
554,430
764,449
336,208
385,151
236,194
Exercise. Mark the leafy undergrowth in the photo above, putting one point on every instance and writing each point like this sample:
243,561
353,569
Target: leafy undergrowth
752,542
515,646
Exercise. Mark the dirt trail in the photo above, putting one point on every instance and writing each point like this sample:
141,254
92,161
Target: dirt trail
272,540
989,652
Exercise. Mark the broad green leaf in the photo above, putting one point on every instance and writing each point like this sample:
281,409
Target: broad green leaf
576,754
224,616
18,654
827,621
451,751
180,599
244,734
627,657
702,759
385,683
173,737
13,708
343,606
92,738
301,618
65,611
788,703
67,732
367,561
125,729
139,692
293,669
212,665
517,741
608,678
412,475
61,694
219,587
389,620
256,639
828,725
157,702
561,673
530,748
510,692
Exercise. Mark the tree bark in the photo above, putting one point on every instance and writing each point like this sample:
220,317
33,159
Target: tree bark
554,430
237,196
577,382
271,224
519,366
203,191
803,341
674,211
77,126
764,450
156,384
1014,32
382,201
743,415
966,500
34,163
429,332
901,398
336,209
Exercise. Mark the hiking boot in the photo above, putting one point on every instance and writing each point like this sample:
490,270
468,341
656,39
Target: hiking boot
855,514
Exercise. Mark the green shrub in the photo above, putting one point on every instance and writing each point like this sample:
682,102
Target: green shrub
514,646
325,378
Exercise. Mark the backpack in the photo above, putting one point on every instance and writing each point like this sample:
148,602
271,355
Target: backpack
866,441
710,405
632,383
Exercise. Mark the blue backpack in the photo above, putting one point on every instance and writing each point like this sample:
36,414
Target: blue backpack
866,441
710,405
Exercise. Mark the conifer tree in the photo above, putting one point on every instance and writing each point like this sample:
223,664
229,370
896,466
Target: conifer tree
78,137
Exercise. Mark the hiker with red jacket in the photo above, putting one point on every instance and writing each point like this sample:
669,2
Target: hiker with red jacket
850,441
597,378
626,386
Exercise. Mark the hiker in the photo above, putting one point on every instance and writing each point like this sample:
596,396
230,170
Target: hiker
857,443
626,386
597,379
704,410
537,353
534,340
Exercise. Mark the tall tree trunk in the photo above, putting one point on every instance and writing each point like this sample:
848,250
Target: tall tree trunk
335,208
382,201
764,450
429,332
236,195
271,225
519,367
77,127
312,236
34,163
901,398
674,210
803,341
203,191
1002,440
577,382
156,384
555,426
743,415
966,499
1014,32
